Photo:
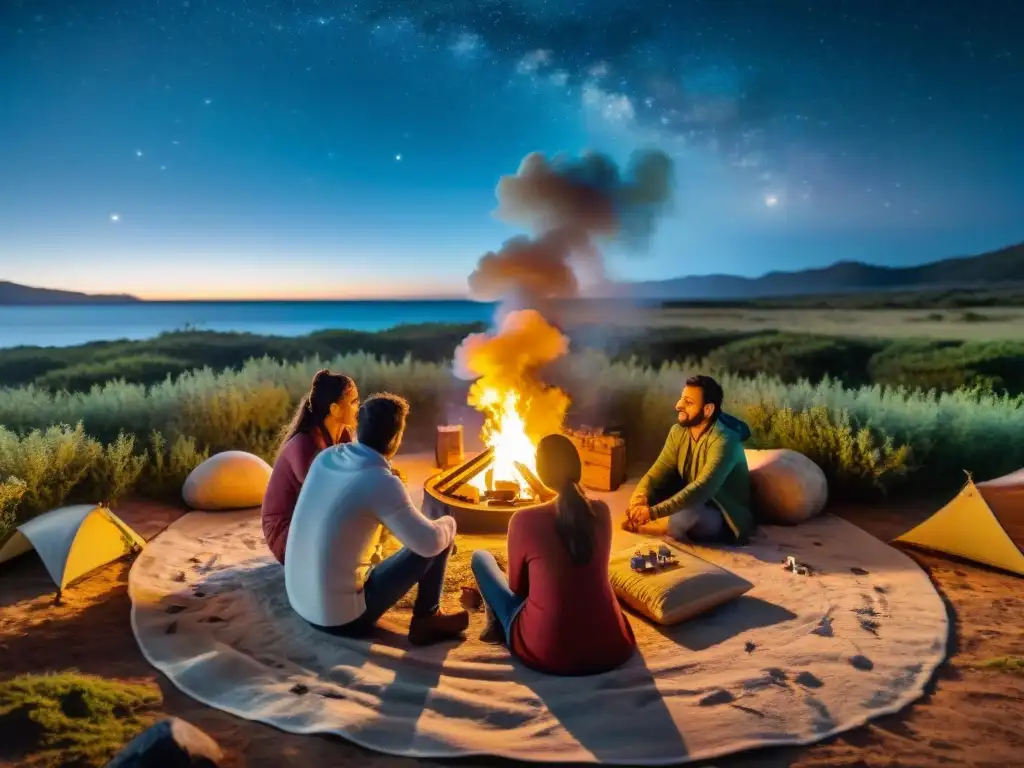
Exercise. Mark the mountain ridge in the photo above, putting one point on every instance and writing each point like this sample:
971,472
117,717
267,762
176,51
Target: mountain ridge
16,294
1005,265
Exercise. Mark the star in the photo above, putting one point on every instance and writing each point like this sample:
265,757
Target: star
771,200
207,102
115,217
138,153
398,157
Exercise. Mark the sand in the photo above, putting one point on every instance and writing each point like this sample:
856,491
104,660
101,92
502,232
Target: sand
971,715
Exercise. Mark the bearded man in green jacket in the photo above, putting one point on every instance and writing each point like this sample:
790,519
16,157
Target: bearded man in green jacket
700,482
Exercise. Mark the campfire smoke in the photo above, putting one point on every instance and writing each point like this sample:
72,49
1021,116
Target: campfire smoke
570,206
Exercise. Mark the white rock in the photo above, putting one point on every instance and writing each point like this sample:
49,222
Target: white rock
228,480
787,488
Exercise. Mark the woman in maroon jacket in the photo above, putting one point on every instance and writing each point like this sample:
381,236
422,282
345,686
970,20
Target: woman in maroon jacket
326,416
557,610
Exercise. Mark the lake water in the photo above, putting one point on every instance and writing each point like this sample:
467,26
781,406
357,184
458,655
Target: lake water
70,325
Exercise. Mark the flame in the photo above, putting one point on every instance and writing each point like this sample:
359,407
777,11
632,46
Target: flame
505,431
519,409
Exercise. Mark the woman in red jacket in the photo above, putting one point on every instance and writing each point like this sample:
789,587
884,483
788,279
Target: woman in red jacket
326,416
557,610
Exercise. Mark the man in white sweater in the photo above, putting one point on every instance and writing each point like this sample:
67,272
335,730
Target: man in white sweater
349,492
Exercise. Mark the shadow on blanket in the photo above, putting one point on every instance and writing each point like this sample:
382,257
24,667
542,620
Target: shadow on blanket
795,660
724,623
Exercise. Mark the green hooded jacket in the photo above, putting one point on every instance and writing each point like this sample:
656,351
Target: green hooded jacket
693,473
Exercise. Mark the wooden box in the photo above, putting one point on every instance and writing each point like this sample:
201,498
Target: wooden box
603,457
448,446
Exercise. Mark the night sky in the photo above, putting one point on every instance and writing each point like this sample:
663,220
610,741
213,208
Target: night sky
330,149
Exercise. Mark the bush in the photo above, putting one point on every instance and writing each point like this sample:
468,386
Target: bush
792,357
71,719
130,438
948,366
144,368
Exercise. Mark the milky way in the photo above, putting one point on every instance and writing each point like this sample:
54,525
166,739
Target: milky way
806,131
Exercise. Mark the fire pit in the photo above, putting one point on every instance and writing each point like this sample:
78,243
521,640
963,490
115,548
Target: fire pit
480,497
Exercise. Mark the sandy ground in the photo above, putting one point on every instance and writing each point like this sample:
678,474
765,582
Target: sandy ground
970,716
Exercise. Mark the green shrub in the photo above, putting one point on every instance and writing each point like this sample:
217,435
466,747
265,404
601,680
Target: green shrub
792,357
67,718
144,368
145,440
947,366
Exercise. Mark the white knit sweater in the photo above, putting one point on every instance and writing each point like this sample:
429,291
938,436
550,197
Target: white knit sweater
348,493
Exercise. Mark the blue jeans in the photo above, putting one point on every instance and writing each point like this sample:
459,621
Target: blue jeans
388,582
503,602
699,524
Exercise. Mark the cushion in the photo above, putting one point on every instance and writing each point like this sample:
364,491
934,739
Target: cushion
674,593
786,487
228,480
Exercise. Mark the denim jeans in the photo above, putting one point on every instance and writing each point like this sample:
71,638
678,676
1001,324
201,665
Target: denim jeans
388,582
699,524
503,602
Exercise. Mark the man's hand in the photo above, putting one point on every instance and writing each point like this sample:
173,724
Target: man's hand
641,515
399,474
637,515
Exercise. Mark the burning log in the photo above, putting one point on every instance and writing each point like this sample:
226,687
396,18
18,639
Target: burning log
464,471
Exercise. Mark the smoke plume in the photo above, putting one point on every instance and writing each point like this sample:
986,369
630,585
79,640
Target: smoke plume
510,359
571,207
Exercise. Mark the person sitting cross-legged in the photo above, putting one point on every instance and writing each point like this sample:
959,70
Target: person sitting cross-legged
326,416
351,491
557,611
701,481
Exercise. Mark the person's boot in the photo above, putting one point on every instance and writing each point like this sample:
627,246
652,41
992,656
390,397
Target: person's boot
493,633
437,627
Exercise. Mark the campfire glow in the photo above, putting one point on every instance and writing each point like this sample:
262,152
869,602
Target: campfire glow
505,431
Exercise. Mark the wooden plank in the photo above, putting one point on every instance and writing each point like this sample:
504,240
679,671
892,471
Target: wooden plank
464,471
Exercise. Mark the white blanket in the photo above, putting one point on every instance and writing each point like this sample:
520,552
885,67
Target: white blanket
797,659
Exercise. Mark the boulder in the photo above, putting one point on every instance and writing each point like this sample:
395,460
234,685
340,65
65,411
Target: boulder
171,743
786,487
228,480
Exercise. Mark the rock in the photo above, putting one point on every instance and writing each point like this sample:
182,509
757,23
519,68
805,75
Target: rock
227,480
787,488
171,743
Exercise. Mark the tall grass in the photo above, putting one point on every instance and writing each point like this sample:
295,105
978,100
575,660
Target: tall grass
119,439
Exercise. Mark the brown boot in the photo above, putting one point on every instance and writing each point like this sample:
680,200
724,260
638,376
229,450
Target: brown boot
426,630
493,633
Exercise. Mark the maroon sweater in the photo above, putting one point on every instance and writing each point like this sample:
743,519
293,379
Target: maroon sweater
286,480
571,623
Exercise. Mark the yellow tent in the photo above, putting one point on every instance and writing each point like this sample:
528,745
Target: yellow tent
73,541
984,523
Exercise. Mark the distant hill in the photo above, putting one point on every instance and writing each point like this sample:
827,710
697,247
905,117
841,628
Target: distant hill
13,294
988,269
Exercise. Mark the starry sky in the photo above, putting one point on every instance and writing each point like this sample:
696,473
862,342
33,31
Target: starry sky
323,148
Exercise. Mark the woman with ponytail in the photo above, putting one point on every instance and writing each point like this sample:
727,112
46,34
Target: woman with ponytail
556,611
326,416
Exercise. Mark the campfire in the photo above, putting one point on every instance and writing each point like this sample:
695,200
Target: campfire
571,206
483,491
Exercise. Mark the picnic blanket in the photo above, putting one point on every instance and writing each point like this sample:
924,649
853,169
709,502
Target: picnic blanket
797,659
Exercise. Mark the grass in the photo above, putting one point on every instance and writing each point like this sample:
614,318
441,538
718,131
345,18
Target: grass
67,718
863,348
1011,664
121,439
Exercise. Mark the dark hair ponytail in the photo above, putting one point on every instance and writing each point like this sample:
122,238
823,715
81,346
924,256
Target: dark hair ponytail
559,468
314,407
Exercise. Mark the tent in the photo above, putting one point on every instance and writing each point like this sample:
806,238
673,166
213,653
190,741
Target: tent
73,541
984,523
